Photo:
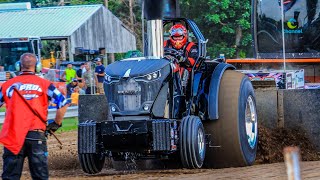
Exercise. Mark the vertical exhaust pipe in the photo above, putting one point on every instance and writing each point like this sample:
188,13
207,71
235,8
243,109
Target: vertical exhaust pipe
155,38
154,10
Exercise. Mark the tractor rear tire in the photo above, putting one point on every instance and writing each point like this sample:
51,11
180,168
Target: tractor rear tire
234,136
92,163
192,142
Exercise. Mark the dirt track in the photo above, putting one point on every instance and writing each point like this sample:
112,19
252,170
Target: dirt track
63,164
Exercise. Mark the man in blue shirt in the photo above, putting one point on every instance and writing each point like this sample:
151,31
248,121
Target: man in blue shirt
99,71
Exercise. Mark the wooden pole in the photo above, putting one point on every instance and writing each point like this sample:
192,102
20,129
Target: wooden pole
63,49
111,58
63,42
105,3
292,161
131,15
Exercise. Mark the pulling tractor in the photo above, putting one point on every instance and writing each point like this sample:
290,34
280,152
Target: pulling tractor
147,112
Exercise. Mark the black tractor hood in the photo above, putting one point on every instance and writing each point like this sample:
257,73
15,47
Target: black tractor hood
136,67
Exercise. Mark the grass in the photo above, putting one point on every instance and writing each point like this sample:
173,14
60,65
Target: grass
69,124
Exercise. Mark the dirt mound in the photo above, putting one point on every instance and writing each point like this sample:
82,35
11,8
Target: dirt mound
272,142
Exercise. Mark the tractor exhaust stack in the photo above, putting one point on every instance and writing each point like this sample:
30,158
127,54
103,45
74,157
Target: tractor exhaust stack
154,11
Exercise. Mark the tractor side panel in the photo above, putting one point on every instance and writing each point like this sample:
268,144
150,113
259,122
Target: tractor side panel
213,111
158,108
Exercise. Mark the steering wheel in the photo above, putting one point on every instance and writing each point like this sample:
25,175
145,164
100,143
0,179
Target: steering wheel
172,54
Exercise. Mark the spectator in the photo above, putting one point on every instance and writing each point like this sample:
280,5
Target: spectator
51,75
75,96
68,74
99,71
79,72
89,79
23,132
81,91
71,86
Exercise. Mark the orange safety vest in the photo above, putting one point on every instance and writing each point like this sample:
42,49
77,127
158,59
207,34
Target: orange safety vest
34,89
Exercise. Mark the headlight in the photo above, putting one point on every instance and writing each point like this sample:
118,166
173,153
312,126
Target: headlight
110,79
113,109
154,75
107,78
149,77
146,107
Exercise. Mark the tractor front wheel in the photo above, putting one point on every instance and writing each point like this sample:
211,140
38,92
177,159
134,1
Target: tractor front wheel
192,142
91,163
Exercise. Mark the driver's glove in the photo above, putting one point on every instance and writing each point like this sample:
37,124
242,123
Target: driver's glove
181,58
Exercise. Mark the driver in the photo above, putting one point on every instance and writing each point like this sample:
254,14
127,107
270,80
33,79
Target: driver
188,50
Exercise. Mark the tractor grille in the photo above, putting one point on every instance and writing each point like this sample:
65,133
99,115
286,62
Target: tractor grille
161,135
131,95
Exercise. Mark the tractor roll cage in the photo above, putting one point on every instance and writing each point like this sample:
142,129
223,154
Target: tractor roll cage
202,49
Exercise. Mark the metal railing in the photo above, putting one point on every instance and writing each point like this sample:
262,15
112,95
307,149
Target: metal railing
71,112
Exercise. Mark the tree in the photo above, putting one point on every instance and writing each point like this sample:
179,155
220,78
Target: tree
226,23
129,12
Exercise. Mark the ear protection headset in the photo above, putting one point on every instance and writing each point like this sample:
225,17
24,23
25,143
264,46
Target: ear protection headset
17,65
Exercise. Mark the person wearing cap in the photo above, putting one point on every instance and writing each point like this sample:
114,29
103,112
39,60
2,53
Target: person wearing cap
68,74
99,72
71,86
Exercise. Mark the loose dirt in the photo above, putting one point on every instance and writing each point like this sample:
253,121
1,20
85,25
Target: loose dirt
64,164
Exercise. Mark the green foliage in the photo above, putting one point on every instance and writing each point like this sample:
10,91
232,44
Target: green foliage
48,46
222,22
119,56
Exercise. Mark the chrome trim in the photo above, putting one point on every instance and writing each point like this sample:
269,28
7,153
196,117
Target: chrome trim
251,122
155,38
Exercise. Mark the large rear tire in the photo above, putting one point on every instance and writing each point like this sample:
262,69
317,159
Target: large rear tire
92,163
192,142
234,136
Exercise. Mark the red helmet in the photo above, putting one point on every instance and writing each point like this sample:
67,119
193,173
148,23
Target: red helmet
178,30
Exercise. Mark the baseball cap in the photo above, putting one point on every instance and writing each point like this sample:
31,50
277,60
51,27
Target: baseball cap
97,59
75,80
